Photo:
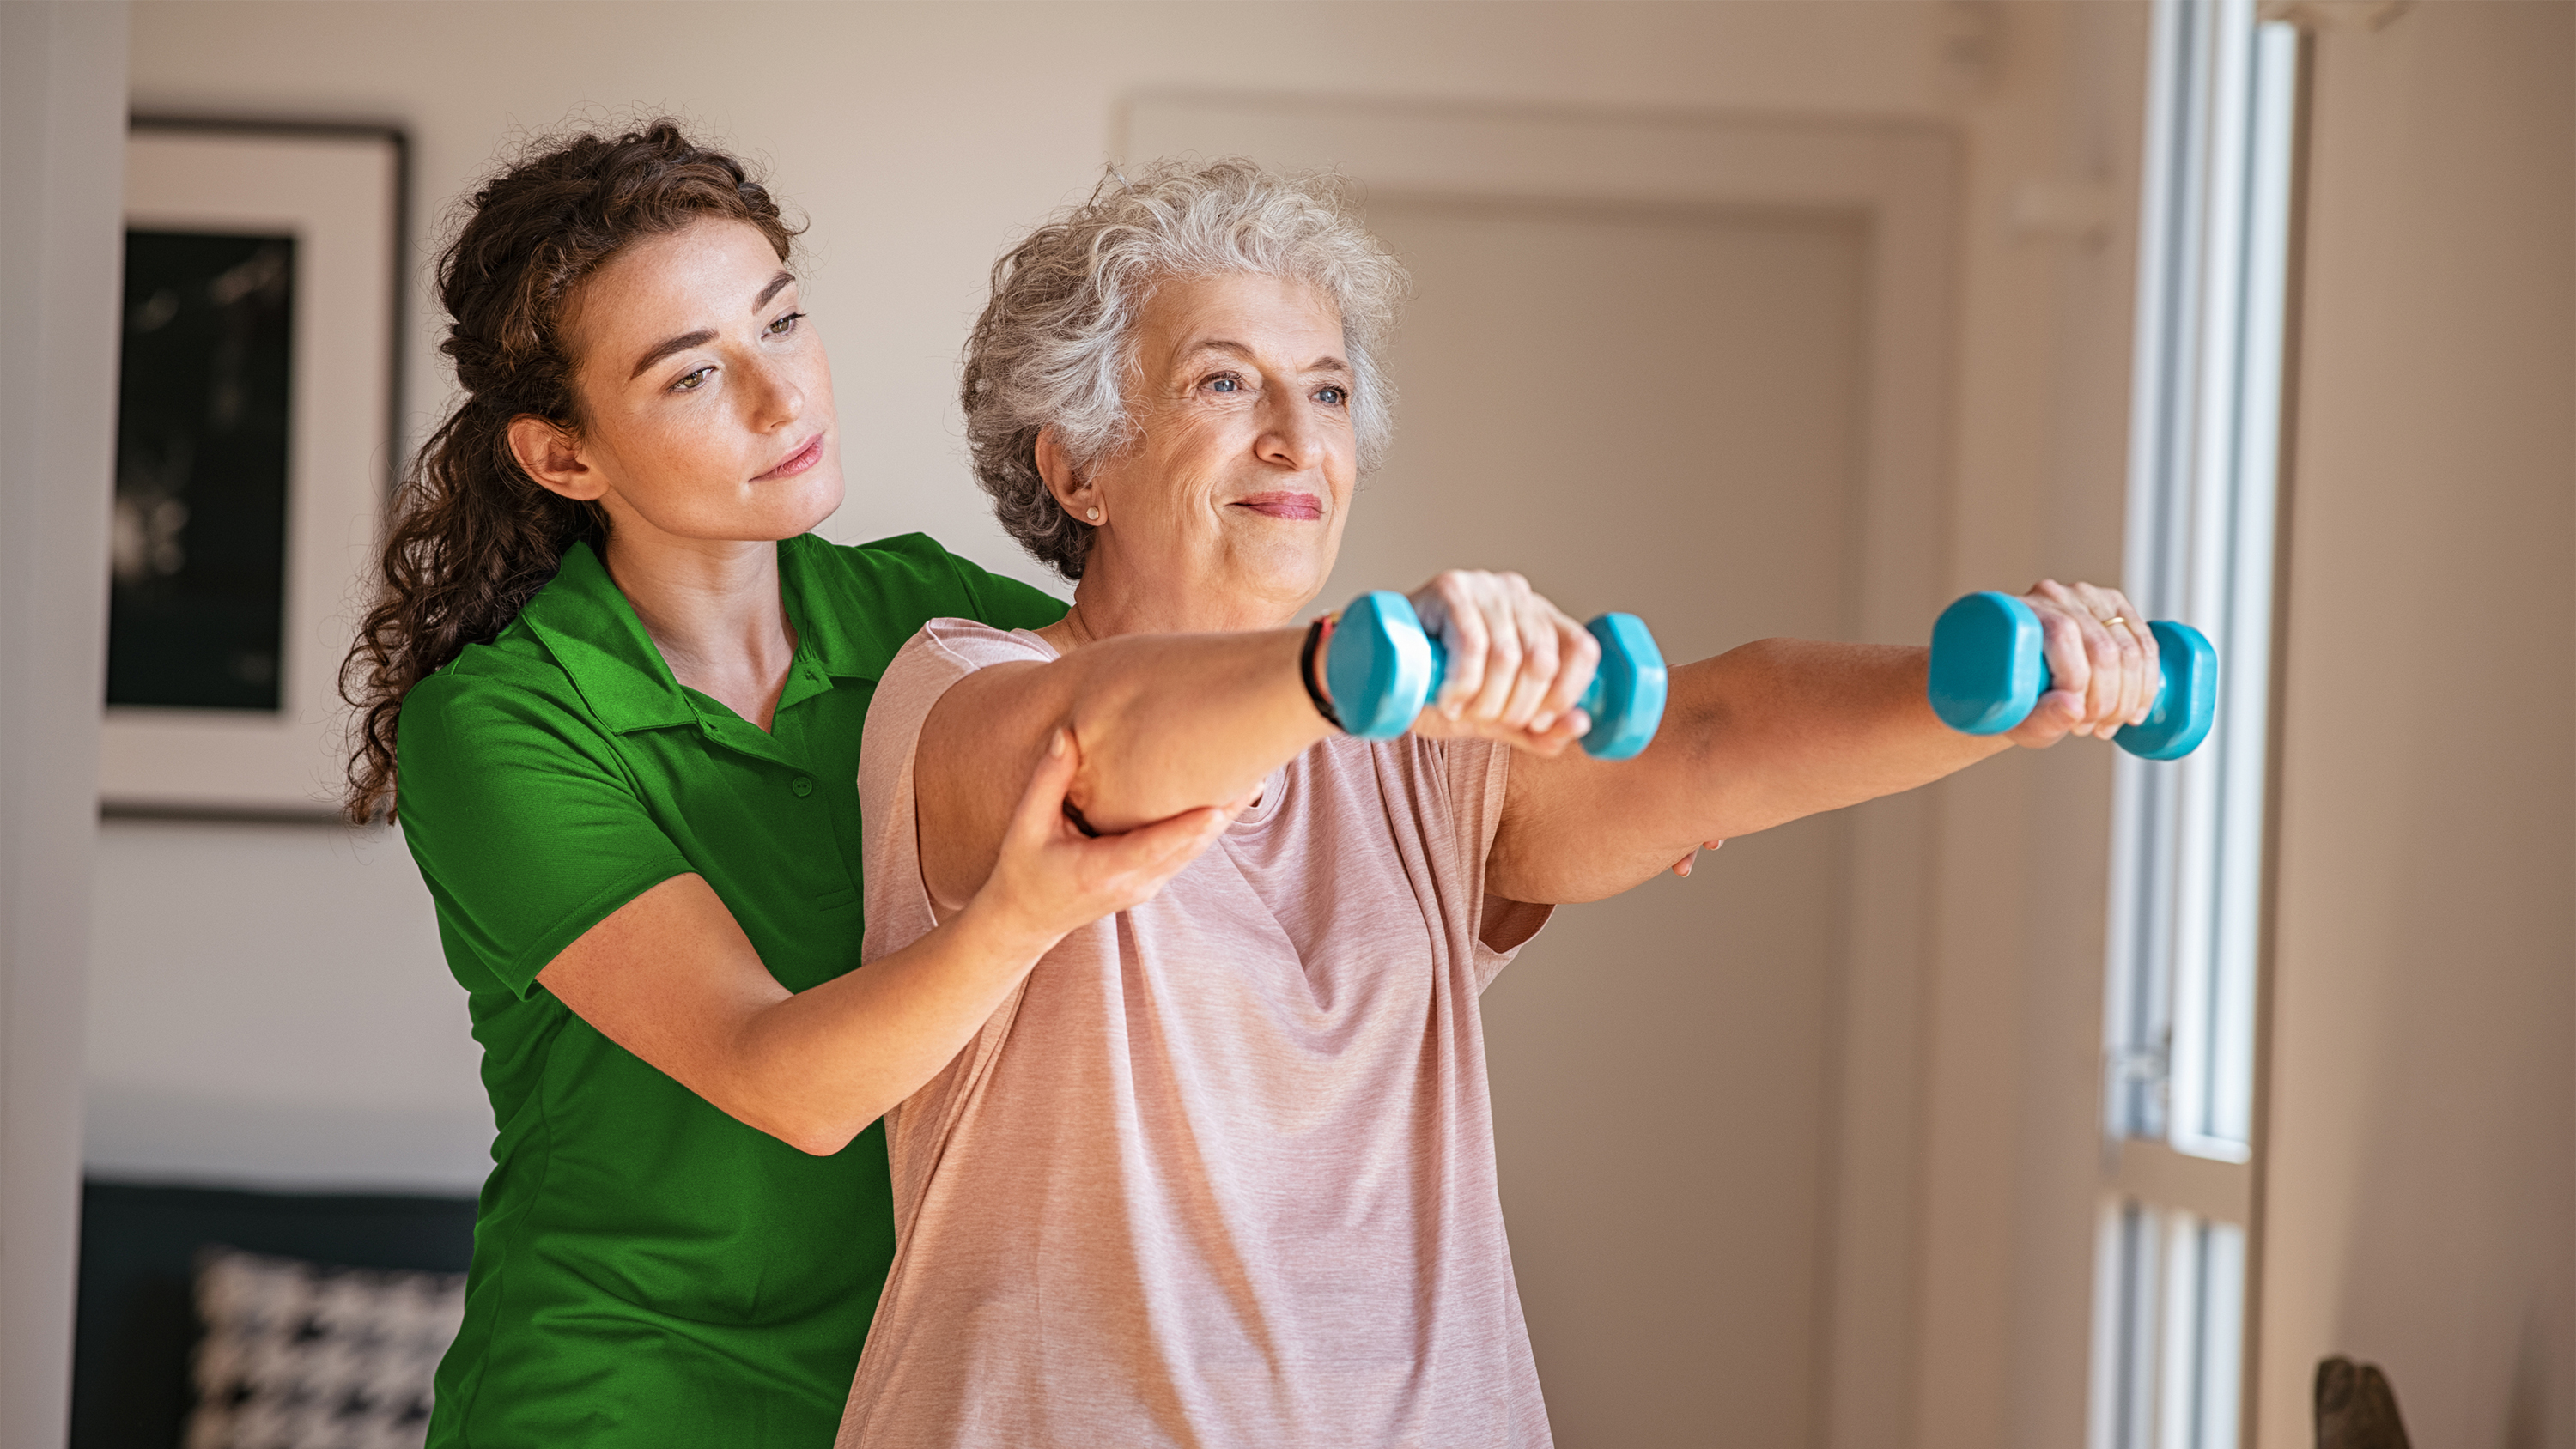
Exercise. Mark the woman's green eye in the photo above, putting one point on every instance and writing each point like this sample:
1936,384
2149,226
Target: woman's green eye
784,325
690,381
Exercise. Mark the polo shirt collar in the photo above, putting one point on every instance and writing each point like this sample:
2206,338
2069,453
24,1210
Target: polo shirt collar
824,634
593,633
586,623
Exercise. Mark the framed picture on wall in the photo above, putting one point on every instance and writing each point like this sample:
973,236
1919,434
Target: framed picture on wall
256,445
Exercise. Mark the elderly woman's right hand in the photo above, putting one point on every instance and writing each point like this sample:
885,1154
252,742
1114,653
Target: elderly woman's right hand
1051,879
1517,664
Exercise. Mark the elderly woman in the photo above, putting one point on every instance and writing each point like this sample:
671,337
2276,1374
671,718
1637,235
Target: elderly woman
1221,1168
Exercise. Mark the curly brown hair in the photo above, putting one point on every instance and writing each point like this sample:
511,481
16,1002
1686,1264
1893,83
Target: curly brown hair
473,536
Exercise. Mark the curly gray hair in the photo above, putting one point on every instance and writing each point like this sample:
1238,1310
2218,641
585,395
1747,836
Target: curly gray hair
1054,343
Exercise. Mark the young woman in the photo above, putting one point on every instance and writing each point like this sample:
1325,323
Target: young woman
615,689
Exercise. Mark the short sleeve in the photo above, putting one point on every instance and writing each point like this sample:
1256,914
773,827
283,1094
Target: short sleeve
944,652
1476,774
526,823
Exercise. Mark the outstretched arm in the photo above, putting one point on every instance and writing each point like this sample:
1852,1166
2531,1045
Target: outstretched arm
1783,728
1173,722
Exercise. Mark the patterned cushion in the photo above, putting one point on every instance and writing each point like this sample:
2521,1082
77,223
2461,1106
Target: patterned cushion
300,1356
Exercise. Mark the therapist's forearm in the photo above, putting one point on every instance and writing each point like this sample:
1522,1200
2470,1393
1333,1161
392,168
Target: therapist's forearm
816,1068
671,977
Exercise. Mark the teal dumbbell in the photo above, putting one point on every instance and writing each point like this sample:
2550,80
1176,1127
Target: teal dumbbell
1988,672
1384,667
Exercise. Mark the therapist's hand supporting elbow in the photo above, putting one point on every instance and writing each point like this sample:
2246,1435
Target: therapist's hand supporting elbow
671,977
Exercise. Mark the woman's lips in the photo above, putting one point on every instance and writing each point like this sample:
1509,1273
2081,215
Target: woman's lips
797,462
1283,505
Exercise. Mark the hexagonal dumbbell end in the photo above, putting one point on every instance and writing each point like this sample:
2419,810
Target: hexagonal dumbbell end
1384,667
1989,670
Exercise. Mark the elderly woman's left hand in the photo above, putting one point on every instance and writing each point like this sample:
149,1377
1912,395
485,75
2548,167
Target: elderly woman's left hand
2101,663
1517,663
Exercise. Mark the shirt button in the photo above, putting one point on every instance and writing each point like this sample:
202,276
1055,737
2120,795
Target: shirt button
803,787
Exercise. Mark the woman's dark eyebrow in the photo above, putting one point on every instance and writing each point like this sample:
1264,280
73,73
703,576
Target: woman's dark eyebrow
703,335
680,343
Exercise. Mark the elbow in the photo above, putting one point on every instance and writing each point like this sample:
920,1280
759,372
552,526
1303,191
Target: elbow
818,1144
814,1133
818,1139
765,1090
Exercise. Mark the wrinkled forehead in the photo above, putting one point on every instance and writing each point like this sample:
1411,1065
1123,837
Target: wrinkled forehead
1259,319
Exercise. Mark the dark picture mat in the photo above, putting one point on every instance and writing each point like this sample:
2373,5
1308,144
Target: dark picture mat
137,1320
197,592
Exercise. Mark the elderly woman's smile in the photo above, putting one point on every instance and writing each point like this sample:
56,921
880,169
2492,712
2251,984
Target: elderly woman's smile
1281,505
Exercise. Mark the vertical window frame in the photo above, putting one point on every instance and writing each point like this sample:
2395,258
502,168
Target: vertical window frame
2176,1247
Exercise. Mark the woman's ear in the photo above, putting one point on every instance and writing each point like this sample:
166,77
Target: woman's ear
1073,493
553,457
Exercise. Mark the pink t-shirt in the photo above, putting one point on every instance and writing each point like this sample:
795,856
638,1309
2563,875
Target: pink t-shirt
1221,1171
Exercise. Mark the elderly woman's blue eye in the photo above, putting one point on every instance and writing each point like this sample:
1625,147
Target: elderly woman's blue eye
1331,396
1224,384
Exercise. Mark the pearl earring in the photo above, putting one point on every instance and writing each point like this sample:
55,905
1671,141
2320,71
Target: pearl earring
1093,515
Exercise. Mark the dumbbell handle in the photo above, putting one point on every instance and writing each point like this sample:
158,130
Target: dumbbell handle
1383,668
1989,669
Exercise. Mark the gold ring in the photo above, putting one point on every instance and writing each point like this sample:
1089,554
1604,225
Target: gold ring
2114,619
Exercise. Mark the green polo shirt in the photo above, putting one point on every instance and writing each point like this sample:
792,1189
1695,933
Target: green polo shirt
647,1270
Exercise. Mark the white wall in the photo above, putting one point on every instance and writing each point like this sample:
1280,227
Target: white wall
917,139
2420,1194
269,1007
62,84
920,138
